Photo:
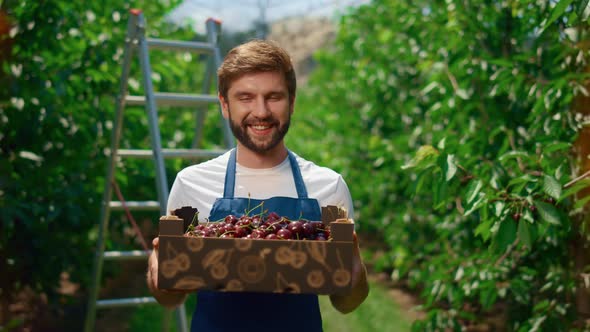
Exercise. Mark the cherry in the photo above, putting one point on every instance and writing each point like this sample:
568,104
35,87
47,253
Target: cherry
284,221
320,237
231,219
244,222
228,228
296,228
271,226
258,234
284,234
241,232
308,229
272,217
272,236
516,216
256,221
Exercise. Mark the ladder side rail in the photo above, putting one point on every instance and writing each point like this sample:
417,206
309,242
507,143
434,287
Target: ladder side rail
152,113
130,41
206,87
214,26
200,116
161,180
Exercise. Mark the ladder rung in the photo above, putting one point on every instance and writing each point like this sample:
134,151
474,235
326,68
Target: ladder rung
126,255
136,205
132,301
179,45
174,99
171,153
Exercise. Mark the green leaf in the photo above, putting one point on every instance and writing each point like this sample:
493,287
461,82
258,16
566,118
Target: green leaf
582,184
476,204
417,184
440,193
556,147
541,306
449,168
499,208
551,186
581,7
548,212
484,229
582,202
522,180
524,234
557,11
472,190
425,157
441,144
488,295
506,235
512,154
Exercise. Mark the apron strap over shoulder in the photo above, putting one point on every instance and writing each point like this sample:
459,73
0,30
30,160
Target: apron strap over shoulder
230,176
299,184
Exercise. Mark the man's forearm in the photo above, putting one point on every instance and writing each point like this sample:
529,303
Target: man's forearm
360,291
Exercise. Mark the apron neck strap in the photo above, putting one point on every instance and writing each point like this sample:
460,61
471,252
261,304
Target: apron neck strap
230,176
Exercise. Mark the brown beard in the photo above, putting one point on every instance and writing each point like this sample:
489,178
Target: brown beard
240,132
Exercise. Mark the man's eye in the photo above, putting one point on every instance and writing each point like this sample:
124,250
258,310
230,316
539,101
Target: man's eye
245,98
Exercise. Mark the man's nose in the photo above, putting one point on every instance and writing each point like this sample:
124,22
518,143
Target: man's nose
260,108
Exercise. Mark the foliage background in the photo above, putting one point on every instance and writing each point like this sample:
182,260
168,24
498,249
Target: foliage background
455,124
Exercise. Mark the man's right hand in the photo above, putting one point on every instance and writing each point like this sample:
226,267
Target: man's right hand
152,276
168,299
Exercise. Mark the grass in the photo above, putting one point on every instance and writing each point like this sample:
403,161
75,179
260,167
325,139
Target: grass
379,312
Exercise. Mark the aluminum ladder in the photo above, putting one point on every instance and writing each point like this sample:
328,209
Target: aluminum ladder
137,42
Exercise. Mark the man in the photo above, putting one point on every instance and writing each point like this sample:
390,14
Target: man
257,93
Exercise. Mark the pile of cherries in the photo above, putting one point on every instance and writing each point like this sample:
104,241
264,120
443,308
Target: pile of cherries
270,226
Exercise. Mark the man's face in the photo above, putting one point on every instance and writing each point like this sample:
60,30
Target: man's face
259,110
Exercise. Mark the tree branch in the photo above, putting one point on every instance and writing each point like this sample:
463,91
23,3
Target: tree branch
577,179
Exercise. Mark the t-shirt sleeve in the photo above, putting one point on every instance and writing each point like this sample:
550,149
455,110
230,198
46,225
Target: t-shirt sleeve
343,197
175,198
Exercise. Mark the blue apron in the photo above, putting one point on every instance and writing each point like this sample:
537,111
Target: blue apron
249,311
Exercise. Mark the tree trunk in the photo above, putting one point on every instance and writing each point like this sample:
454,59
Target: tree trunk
580,245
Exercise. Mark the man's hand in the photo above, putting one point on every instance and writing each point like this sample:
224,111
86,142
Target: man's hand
168,299
152,276
360,287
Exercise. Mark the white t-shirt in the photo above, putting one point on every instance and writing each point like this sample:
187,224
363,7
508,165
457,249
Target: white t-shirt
200,185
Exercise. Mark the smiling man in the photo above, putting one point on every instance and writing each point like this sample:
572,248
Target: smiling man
257,88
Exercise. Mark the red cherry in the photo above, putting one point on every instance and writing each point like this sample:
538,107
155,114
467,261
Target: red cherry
320,237
296,228
258,234
231,219
241,232
272,217
284,234
308,229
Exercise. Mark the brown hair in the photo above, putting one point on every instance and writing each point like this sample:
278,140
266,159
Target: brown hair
254,57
